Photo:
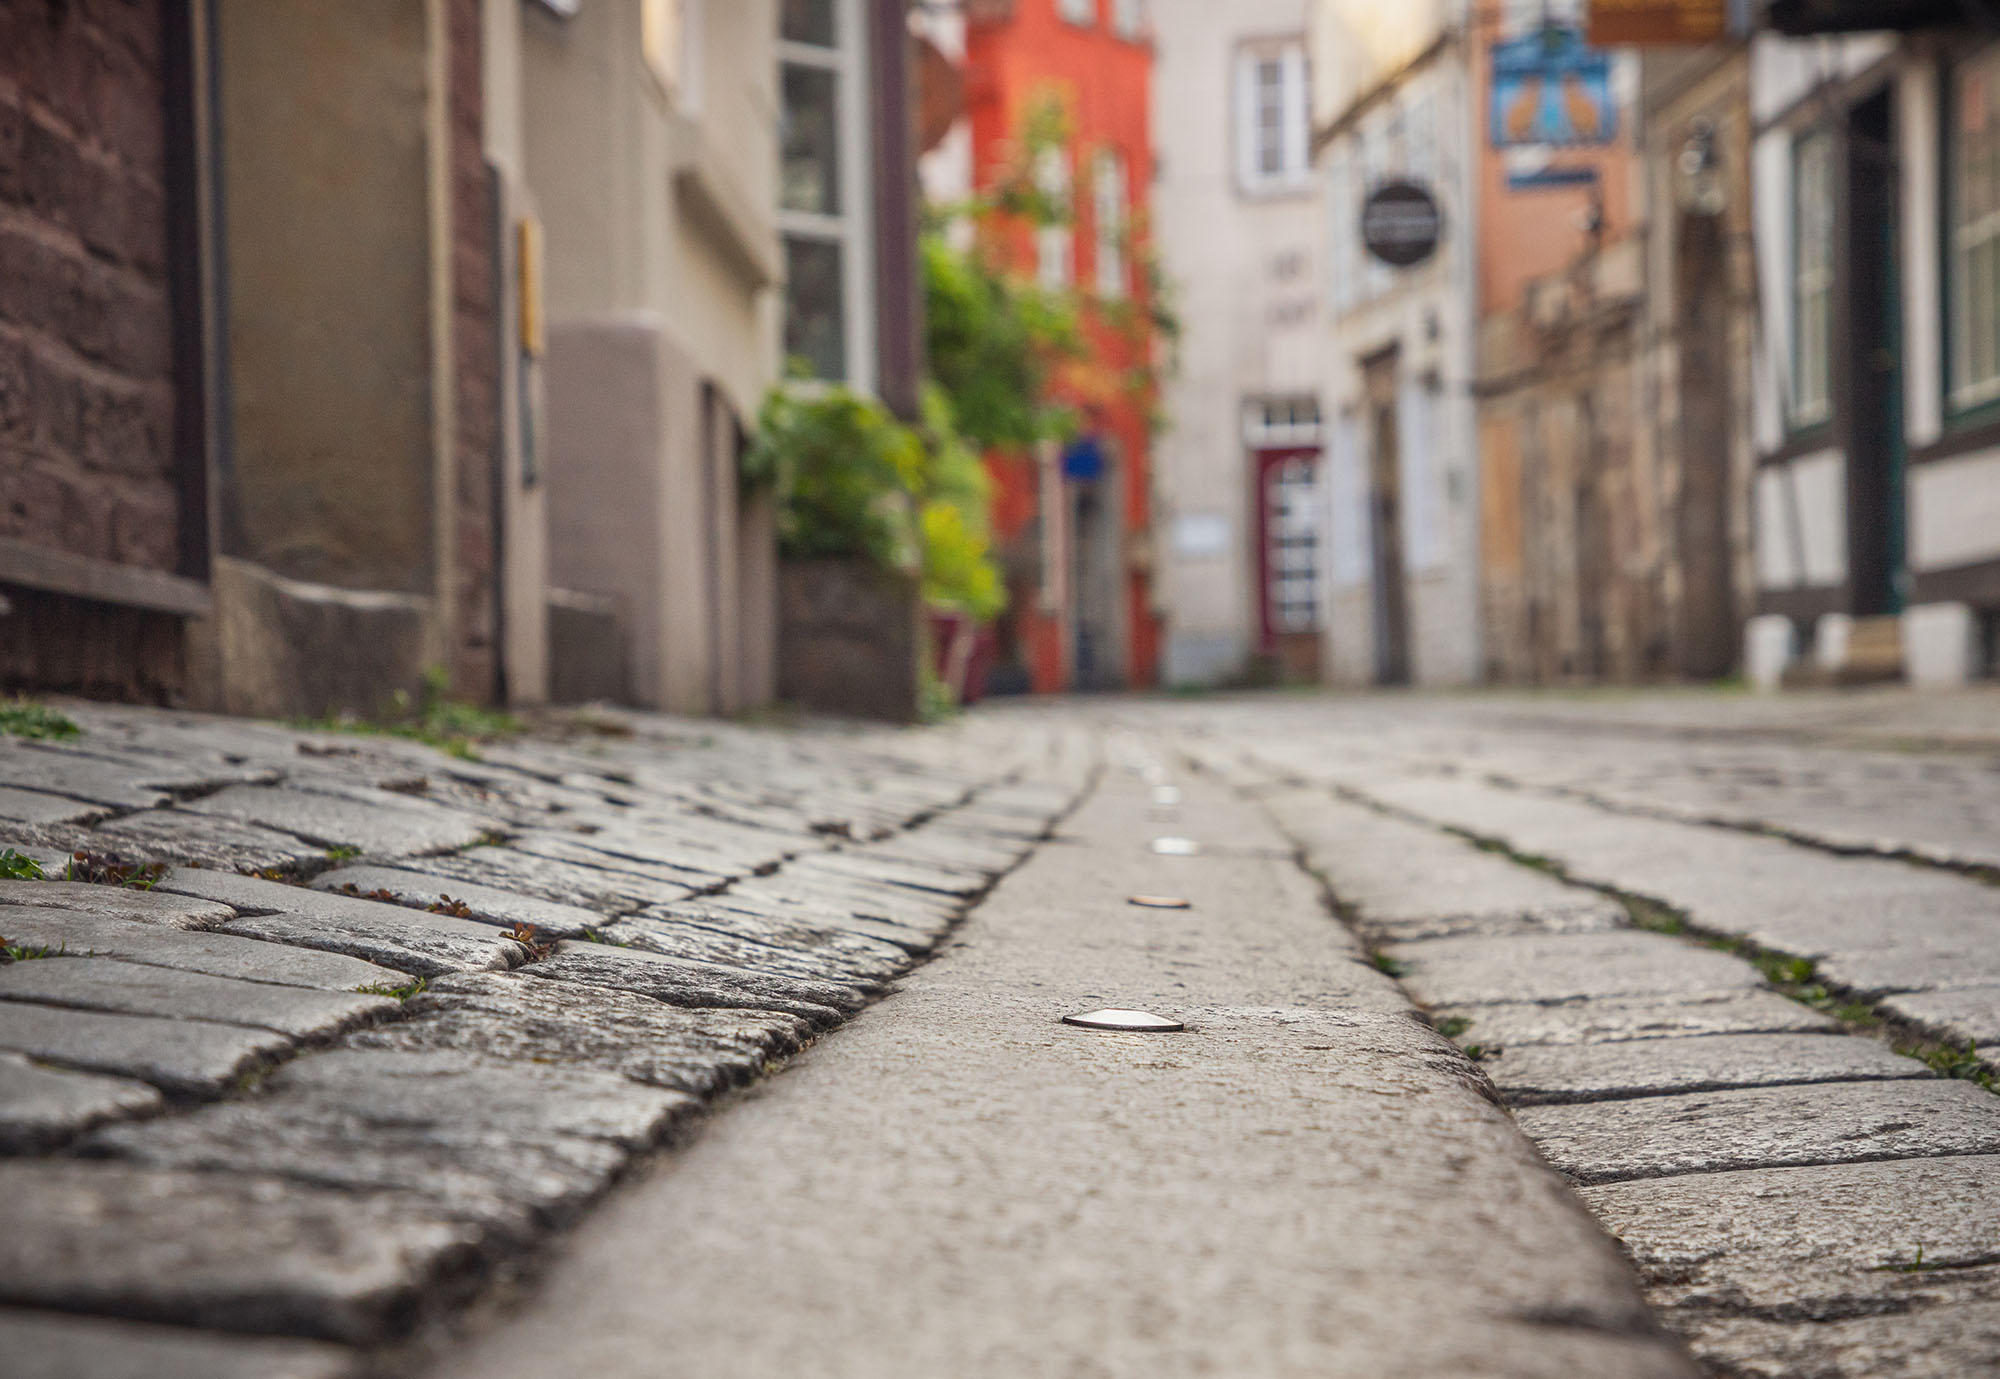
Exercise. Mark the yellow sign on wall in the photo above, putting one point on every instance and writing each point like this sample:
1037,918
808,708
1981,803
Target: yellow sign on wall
1613,23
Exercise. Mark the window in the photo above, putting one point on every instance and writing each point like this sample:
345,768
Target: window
1812,279
1082,12
1272,118
1108,189
821,150
1973,266
1055,248
809,21
1291,544
1128,18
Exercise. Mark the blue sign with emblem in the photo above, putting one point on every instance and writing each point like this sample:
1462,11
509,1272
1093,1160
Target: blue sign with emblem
1551,89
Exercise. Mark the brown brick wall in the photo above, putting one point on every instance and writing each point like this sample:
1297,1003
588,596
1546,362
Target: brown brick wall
475,363
86,390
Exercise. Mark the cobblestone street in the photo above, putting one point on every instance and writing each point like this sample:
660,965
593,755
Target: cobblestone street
1622,1035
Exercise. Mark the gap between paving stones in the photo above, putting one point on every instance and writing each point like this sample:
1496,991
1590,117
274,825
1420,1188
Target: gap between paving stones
1794,977
1893,852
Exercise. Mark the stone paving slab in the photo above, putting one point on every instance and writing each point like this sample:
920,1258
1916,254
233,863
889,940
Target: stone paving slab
1546,1074
1782,1272
1546,969
492,904
607,893
520,1020
1765,1127
40,1106
184,1057
75,775
116,902
137,989
226,1250
1407,881
1941,1342
383,824
871,865
47,1345
76,933
700,985
181,838
620,859
705,944
514,1149
1645,1017
869,944
425,945
1959,1015
36,808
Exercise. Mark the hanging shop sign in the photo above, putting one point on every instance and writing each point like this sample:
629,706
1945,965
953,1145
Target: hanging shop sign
1551,88
1401,223
1654,23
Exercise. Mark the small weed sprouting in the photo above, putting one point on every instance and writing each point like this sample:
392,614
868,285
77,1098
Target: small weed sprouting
1947,1060
401,993
16,867
18,952
453,726
599,936
529,938
101,869
1453,1026
342,853
1914,1266
26,718
1480,1053
1650,914
1384,963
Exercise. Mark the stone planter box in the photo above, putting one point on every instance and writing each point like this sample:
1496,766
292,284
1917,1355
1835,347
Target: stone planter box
849,639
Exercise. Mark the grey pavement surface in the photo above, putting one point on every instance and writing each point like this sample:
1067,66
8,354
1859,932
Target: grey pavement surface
410,1061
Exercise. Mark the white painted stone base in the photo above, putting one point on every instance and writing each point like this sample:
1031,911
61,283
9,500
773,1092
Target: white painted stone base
1830,640
1771,644
1940,644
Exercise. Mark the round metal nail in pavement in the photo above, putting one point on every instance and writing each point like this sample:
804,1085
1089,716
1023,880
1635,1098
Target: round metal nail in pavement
1134,1021
1176,847
1159,902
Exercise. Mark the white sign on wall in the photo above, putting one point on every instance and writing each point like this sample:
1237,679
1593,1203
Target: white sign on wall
1201,534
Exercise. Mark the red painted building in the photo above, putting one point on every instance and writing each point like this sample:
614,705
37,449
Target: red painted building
1073,524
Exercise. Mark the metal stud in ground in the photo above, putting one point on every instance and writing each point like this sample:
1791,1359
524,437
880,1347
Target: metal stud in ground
1176,847
1159,902
1130,1021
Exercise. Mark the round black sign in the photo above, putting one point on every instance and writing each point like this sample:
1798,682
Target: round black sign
1401,223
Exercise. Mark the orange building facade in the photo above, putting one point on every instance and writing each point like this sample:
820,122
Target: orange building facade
1073,523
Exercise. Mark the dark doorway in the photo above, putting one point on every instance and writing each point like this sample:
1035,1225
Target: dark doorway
1097,648
1707,625
1870,361
1392,616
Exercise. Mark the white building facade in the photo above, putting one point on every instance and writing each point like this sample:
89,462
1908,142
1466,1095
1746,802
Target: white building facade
1238,501
1392,103
1877,497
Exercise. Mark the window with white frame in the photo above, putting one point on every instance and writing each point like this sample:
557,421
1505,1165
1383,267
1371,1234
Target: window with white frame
1291,543
1812,278
819,213
1055,242
1108,194
1974,264
1078,11
1273,118
1128,18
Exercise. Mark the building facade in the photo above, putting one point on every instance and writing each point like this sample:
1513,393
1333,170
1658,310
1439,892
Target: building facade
1570,549
1240,520
1878,372
1393,103
1073,525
